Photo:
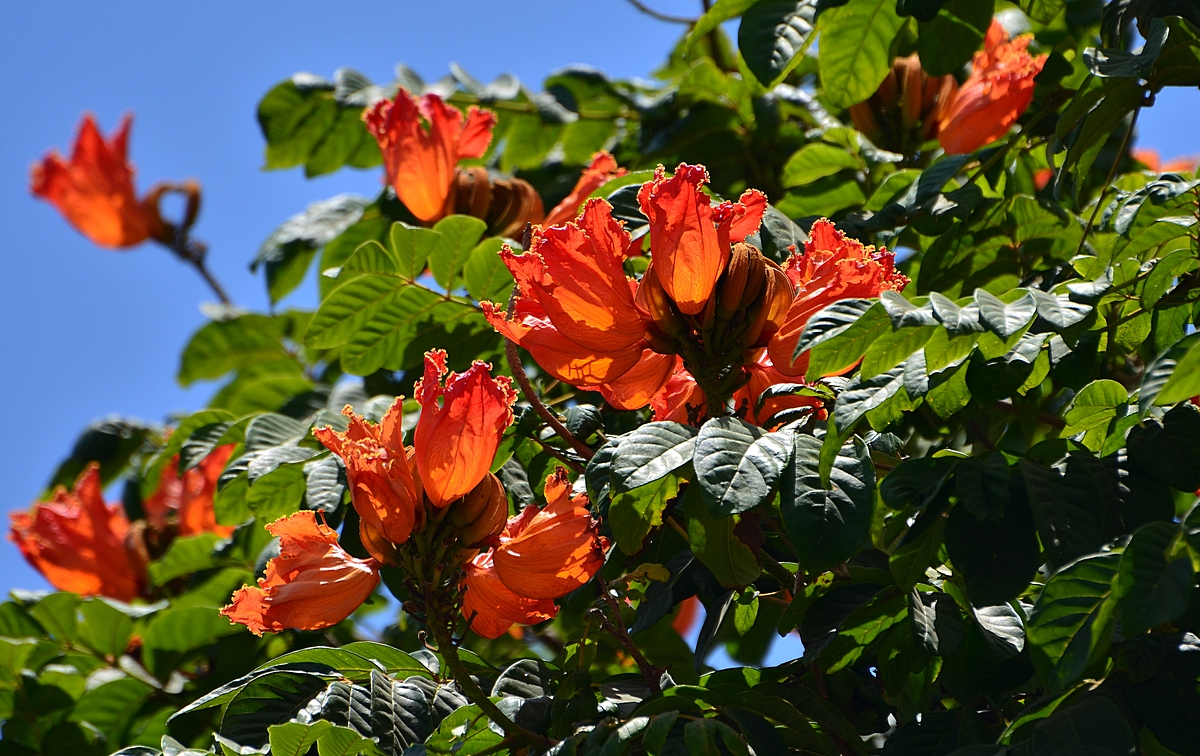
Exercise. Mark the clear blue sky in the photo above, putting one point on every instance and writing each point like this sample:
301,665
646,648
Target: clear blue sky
88,333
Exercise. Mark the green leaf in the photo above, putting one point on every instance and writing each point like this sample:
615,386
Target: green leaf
1005,318
269,699
982,486
104,628
1093,726
465,732
276,494
1071,622
227,345
937,624
349,307
288,251
1095,404
1068,508
700,736
294,738
815,161
864,625
716,544
411,248
660,726
186,629
487,277
827,525
651,452
1184,382
633,514
948,41
1162,370
745,611
57,614
1154,582
773,36
738,465
831,321
1042,11
894,348
111,705
861,396
458,235
855,44
310,121
836,352
996,558
184,556
919,548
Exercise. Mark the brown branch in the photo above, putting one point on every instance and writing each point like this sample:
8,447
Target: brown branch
518,370
661,16
476,695
193,252
652,673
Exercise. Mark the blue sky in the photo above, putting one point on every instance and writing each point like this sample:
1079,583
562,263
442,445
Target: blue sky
89,333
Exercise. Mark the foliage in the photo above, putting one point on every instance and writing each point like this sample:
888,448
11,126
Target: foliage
978,510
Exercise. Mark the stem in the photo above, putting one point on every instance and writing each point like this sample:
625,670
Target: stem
476,695
660,16
1108,180
193,252
776,570
652,673
514,362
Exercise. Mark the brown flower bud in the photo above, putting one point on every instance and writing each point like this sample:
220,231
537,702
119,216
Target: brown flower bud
481,514
903,112
514,203
505,204
375,544
658,308
733,282
771,309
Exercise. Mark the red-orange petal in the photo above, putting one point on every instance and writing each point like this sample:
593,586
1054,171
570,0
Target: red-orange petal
637,386
998,91
312,584
575,272
491,608
556,354
547,553
94,189
599,172
382,487
460,426
683,237
78,542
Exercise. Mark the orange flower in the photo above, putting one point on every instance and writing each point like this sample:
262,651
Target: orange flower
78,542
602,169
832,267
190,497
1155,164
94,190
994,96
312,584
575,273
689,237
547,553
379,469
491,608
422,141
460,426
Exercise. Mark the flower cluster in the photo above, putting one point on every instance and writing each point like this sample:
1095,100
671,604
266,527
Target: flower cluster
81,544
711,319
428,509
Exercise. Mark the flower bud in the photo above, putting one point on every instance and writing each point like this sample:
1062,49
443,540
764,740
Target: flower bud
375,544
771,309
480,515
756,279
733,283
472,192
652,299
514,203
903,113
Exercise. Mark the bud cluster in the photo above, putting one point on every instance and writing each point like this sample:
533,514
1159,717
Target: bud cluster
904,112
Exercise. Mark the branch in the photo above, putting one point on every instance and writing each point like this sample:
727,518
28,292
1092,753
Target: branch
661,16
476,695
518,370
652,673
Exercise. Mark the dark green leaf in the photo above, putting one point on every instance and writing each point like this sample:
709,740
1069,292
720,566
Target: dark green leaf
948,40
1154,582
1071,622
737,464
651,452
827,525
